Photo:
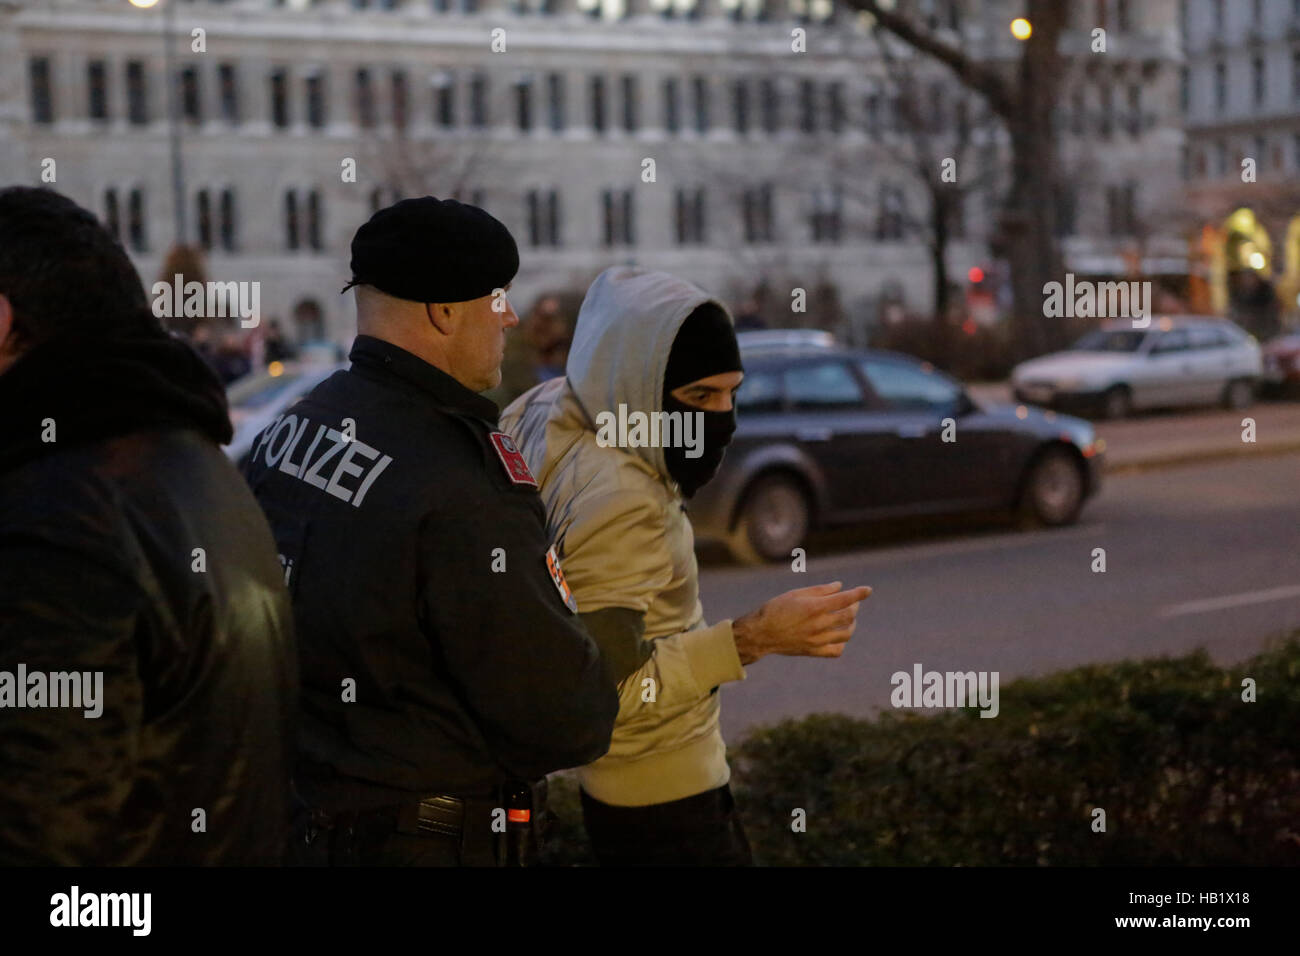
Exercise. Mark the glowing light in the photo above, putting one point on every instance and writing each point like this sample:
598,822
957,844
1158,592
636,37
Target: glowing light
1022,412
1021,28
968,326
976,274
1257,260
275,369
144,4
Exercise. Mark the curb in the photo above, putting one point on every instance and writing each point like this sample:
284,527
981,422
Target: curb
1215,454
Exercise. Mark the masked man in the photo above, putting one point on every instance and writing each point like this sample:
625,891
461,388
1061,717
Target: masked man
639,422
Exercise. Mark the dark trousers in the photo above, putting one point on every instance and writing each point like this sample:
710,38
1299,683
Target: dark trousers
703,830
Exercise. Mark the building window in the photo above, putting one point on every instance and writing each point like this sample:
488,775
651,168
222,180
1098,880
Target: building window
1220,86
401,101
365,93
444,101
1184,89
191,102
1067,209
756,209
1135,110
740,105
619,227
835,105
890,221
229,91
543,217
700,85
314,215
826,219
97,90
316,100
135,221
137,100
1295,76
524,104
1258,80
478,107
597,87
292,227
630,119
672,106
279,98
770,105
1078,112
42,91
204,210
872,113
1106,112
112,215
555,101
227,220
1120,213
1218,16
1123,23
807,106
689,217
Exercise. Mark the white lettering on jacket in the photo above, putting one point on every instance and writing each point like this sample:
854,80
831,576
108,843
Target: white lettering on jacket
281,439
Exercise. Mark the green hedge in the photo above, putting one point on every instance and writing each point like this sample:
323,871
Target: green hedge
1186,771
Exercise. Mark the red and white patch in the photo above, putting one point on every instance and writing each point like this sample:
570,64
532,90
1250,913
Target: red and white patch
557,575
512,459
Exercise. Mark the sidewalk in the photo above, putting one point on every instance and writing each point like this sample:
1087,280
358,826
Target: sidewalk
1159,439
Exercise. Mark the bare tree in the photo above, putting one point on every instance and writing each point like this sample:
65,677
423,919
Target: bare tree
1024,98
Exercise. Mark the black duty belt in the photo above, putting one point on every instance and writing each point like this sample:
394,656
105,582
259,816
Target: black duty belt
440,815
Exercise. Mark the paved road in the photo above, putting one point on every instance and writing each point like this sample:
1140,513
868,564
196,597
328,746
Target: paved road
1204,554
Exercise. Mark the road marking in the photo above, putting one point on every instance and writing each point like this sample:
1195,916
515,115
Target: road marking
1231,600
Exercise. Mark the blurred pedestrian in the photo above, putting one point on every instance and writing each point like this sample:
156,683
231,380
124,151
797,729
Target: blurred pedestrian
136,574
648,344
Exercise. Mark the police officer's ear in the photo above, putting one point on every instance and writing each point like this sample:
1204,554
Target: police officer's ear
10,339
440,317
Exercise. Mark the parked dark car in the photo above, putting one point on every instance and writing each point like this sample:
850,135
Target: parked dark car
828,435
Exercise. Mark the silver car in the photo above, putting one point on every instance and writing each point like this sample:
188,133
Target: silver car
1117,369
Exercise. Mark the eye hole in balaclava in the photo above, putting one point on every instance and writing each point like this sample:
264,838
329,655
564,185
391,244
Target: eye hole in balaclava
705,345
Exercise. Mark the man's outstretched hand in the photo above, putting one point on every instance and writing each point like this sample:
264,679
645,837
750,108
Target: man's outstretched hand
815,621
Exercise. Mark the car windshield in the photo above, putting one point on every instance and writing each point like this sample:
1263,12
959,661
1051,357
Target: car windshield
1104,340
263,391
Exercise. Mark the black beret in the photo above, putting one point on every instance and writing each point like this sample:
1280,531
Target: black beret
433,250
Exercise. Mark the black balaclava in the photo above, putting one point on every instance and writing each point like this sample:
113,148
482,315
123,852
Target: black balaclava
705,345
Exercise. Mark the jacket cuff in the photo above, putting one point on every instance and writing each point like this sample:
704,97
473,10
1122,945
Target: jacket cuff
713,655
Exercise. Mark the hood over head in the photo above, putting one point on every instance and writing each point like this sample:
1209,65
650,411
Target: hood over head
624,333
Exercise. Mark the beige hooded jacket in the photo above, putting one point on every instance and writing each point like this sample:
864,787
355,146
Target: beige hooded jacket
624,540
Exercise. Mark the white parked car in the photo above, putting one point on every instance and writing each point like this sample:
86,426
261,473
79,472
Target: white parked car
1116,368
257,398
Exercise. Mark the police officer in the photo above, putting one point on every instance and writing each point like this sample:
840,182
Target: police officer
443,663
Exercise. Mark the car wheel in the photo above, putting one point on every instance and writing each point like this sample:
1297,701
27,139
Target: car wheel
774,520
1117,403
1238,394
1053,489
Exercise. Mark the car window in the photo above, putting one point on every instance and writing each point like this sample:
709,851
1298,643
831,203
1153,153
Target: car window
1206,337
1175,341
760,391
1110,340
905,386
822,385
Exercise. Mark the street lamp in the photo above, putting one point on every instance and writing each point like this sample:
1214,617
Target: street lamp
173,120
1021,28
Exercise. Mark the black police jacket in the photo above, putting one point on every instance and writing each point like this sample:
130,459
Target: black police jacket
439,649
142,563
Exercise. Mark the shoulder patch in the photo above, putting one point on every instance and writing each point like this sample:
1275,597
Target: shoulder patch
557,575
512,460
